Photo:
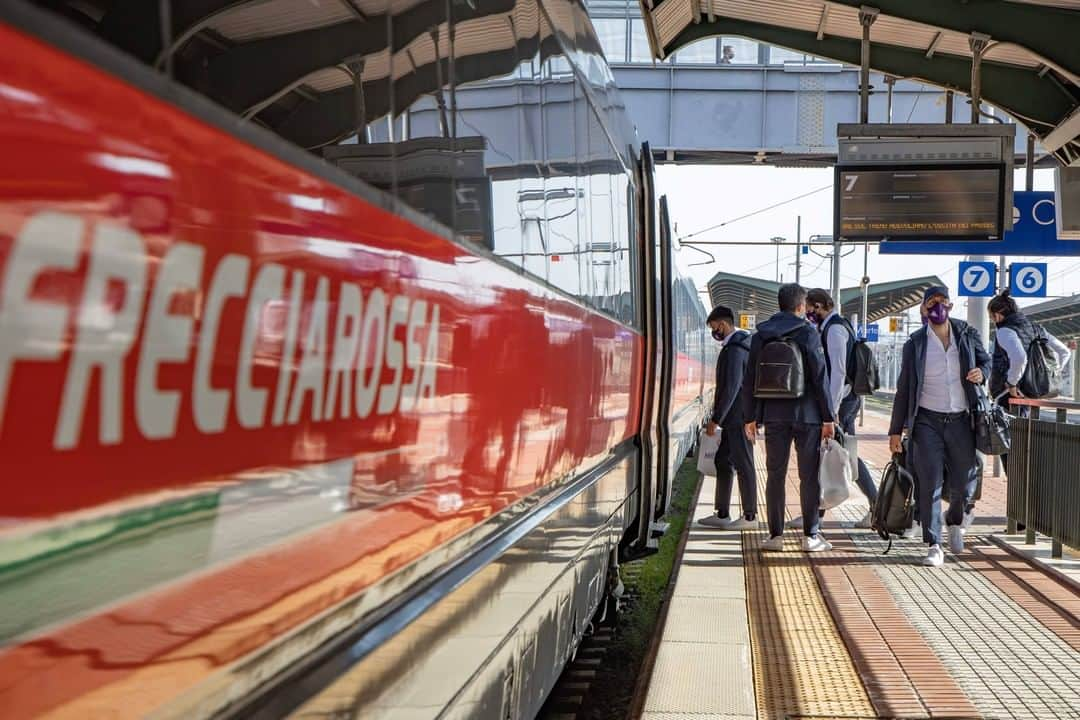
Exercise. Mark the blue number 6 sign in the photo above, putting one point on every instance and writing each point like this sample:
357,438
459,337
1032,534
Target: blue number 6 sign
1028,279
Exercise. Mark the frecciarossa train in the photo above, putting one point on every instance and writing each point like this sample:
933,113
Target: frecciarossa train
343,357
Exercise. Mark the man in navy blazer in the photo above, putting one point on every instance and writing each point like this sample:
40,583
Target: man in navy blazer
735,455
806,421
943,368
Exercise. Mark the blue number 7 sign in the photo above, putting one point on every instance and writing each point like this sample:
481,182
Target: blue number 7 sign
977,279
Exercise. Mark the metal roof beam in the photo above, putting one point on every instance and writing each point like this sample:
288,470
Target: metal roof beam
1049,32
1018,91
822,22
331,117
248,74
135,25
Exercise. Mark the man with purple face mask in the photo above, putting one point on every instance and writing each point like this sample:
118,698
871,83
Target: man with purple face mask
943,365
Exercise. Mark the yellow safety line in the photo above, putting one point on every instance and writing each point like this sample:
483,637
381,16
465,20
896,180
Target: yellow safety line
801,665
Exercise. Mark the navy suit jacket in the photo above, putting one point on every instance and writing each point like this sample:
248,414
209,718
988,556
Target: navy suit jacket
730,369
909,387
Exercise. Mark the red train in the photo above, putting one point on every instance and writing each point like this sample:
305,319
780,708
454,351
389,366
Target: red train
343,356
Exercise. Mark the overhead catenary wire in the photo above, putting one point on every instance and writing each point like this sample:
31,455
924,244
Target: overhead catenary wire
755,212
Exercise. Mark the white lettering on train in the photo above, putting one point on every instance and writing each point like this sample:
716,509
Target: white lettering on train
347,343
104,335
166,338
34,329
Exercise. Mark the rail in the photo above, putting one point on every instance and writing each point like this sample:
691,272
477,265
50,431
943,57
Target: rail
1044,473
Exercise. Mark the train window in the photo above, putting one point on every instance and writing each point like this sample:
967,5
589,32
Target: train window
561,189
424,148
620,193
531,196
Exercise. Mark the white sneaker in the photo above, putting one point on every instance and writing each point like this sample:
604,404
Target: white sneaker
956,539
865,522
914,532
741,523
795,523
714,521
773,544
935,557
969,517
815,544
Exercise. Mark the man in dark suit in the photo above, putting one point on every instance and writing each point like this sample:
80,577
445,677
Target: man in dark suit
944,364
735,455
807,420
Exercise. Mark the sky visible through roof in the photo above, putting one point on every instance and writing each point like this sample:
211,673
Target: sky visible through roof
702,196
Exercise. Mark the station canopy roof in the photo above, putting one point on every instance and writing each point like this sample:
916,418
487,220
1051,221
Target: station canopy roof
758,297
1060,317
1030,69
295,66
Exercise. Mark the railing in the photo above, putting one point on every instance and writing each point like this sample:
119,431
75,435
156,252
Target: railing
1044,474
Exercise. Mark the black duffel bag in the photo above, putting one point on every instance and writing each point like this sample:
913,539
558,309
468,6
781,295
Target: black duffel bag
991,426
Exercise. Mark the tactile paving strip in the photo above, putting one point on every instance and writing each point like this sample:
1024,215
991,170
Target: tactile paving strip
801,666
1008,663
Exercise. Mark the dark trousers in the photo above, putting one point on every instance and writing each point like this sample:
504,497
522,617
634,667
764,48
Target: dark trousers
865,480
735,456
778,439
943,449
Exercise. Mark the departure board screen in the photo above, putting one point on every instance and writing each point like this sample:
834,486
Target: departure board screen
919,202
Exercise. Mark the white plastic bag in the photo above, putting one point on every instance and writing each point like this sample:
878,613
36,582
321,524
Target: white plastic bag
851,444
706,457
834,474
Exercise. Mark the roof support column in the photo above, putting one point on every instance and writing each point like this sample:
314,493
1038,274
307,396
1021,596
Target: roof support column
867,16
356,72
978,44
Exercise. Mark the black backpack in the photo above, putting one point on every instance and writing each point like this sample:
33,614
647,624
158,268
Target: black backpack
780,374
863,369
894,510
1042,376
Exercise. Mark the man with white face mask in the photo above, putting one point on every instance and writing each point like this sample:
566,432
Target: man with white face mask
943,365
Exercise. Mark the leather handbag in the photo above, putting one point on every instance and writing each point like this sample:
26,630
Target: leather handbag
991,426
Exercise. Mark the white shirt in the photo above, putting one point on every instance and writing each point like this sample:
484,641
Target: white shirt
1010,343
836,338
943,387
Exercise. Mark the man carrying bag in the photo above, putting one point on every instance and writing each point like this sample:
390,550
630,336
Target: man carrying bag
733,454
786,389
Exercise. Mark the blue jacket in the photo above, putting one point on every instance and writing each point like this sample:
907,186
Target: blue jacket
814,407
909,387
730,370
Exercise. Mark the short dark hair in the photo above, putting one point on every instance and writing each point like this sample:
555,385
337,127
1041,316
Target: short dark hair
790,296
820,296
721,312
1003,303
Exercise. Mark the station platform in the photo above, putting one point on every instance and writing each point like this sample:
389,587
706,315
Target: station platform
855,633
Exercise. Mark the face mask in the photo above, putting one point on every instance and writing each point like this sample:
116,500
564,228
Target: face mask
718,335
938,314
811,317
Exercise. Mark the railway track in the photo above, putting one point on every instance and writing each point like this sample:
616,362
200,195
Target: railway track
607,678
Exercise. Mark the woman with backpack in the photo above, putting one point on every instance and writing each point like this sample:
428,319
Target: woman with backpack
1016,340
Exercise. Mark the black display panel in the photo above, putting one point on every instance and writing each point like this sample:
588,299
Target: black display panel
919,202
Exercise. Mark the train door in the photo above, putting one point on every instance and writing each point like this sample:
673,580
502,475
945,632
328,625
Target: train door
666,375
653,433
